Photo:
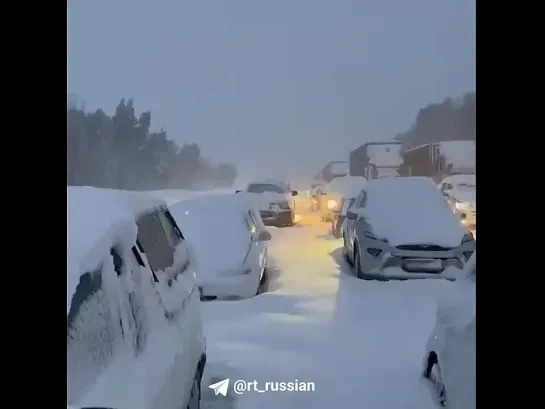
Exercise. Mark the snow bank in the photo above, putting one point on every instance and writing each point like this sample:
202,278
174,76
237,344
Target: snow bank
216,229
411,210
95,219
347,186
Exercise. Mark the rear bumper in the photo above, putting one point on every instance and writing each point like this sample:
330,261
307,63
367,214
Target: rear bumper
275,217
236,286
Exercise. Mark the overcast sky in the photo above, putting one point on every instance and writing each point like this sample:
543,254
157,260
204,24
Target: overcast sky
278,87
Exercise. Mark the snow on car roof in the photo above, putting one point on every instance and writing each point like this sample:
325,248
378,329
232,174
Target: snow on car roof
411,210
346,186
216,229
95,219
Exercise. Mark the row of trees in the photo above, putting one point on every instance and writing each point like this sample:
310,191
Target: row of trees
451,120
122,152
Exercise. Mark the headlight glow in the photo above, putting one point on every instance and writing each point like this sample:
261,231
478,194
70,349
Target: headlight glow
331,204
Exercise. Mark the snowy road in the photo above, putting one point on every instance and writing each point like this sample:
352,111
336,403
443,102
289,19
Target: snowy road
360,342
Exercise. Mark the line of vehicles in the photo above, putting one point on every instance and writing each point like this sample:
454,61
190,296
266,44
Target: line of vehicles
133,296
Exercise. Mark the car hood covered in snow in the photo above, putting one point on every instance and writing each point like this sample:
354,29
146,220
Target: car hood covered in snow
410,210
216,230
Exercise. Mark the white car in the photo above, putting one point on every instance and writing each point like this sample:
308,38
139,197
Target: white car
401,228
449,360
229,242
134,332
275,201
460,193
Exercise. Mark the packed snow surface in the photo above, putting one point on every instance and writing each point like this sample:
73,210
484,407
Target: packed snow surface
360,342
410,210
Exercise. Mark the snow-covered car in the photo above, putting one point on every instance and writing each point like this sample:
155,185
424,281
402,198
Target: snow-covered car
134,332
229,241
332,194
460,194
401,227
275,202
449,360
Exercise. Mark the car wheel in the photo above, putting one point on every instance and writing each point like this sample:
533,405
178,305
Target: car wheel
345,252
195,397
357,263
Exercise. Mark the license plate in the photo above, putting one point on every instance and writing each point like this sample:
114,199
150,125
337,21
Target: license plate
423,265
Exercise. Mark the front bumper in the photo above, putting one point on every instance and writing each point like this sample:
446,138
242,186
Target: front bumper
382,259
276,217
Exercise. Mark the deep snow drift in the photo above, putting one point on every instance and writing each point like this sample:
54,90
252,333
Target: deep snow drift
361,342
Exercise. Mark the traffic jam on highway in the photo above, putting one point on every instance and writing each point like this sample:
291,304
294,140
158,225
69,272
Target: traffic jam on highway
174,293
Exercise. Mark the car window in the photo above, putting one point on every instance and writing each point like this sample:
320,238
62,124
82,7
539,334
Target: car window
250,223
92,332
155,242
171,228
264,187
118,262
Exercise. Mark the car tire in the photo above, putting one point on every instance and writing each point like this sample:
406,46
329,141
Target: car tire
335,230
345,252
357,265
195,396
357,261
291,223
262,283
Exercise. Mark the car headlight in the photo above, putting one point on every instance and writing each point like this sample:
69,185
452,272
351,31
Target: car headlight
331,204
375,237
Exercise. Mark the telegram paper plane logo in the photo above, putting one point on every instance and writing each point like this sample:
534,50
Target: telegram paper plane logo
221,387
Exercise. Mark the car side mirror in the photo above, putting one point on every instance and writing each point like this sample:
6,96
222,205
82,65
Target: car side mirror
294,193
238,191
351,215
263,235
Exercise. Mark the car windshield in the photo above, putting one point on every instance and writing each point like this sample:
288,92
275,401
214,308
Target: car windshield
264,187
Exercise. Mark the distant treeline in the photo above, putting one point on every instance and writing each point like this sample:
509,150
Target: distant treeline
122,152
451,120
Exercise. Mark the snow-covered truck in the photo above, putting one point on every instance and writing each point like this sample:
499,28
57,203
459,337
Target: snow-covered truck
374,160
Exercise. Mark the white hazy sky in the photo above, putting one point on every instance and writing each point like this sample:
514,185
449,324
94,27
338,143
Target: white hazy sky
278,87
